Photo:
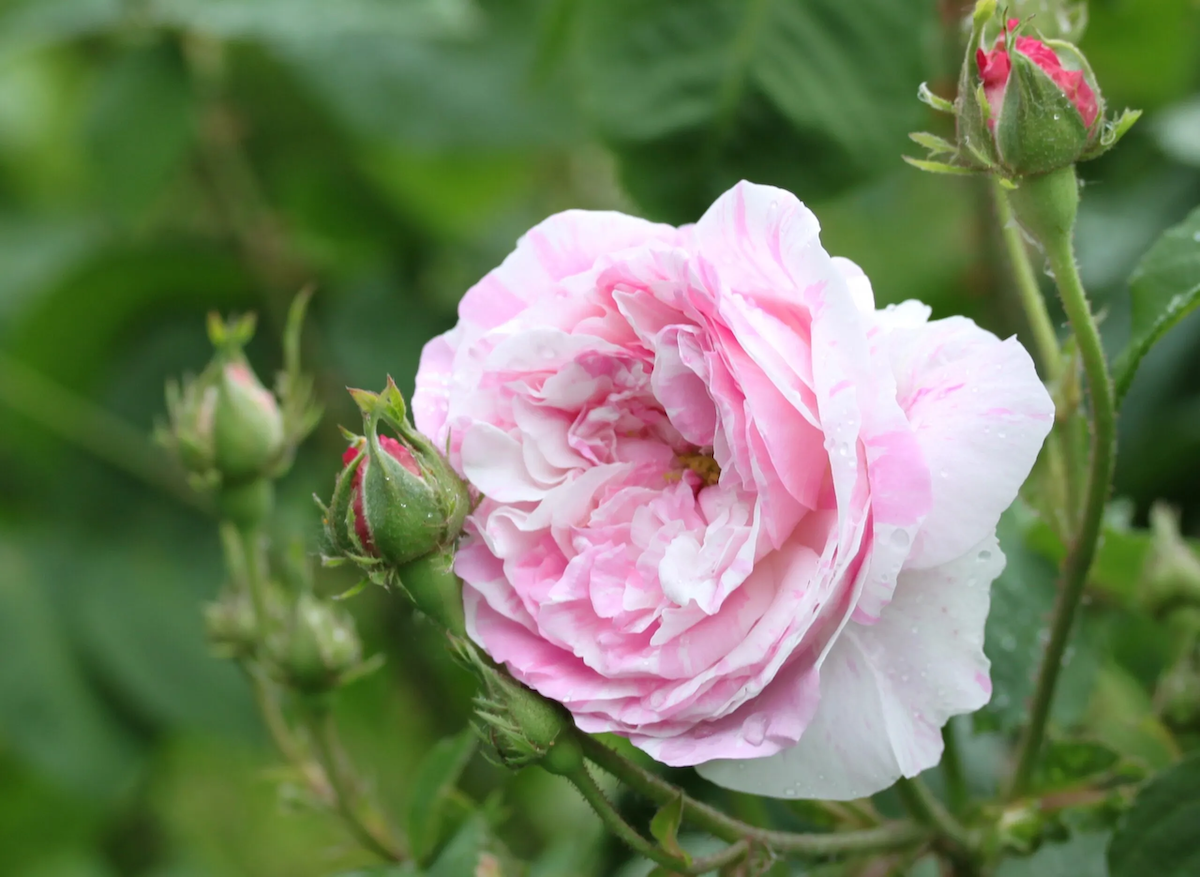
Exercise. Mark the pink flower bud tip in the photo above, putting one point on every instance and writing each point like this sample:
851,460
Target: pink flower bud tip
995,67
393,449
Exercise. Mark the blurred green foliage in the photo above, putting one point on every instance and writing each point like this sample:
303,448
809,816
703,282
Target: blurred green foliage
161,158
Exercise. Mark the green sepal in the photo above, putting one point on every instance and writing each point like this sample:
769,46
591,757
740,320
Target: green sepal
927,97
937,167
1039,129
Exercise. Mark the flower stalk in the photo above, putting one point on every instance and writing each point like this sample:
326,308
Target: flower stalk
885,838
1046,207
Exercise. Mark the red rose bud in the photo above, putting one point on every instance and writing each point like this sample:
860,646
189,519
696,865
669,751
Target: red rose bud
396,500
350,459
1025,107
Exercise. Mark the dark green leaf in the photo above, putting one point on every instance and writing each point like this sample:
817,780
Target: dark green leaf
139,128
808,94
432,786
48,713
1081,856
1158,835
1164,288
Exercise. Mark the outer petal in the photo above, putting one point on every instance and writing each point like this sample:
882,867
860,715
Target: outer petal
887,689
980,413
559,247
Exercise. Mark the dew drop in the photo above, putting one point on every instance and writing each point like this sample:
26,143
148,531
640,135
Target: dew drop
1056,117
985,554
1008,642
900,538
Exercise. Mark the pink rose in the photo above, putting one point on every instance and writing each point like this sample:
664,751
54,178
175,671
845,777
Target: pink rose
995,67
732,512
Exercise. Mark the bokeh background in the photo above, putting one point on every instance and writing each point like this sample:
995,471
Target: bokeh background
162,158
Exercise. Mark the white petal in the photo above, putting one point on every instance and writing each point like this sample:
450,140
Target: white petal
981,414
887,689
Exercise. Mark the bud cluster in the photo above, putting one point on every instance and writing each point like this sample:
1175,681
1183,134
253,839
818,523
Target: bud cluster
1026,106
231,433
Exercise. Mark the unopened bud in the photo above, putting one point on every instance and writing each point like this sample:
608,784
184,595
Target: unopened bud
1171,575
397,499
520,726
1026,106
231,626
247,424
317,648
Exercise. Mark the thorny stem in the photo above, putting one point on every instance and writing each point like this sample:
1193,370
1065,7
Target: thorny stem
370,832
1049,356
1061,254
1044,337
885,838
614,822
928,810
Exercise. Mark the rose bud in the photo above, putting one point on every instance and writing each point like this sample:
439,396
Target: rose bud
317,649
248,434
1025,107
231,626
396,500
519,725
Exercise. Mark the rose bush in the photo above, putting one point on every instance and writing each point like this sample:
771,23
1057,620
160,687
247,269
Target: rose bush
730,510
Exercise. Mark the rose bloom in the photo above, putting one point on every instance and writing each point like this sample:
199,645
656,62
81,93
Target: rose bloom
730,510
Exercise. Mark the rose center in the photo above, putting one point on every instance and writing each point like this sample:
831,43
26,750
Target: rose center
703,464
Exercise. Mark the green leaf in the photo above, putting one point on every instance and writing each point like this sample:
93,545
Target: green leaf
464,851
664,827
49,714
1158,835
811,95
1164,288
1018,628
431,789
1081,856
1066,763
294,21
139,128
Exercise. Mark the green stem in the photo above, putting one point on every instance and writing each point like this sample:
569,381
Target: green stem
252,555
885,838
1051,212
583,781
928,810
1044,338
370,833
952,769
91,428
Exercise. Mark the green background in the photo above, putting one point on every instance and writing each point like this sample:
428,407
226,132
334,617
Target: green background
161,158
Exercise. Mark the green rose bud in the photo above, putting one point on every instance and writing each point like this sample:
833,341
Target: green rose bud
231,627
519,725
248,435
317,648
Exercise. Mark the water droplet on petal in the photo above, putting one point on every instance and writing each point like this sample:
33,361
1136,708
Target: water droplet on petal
901,539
